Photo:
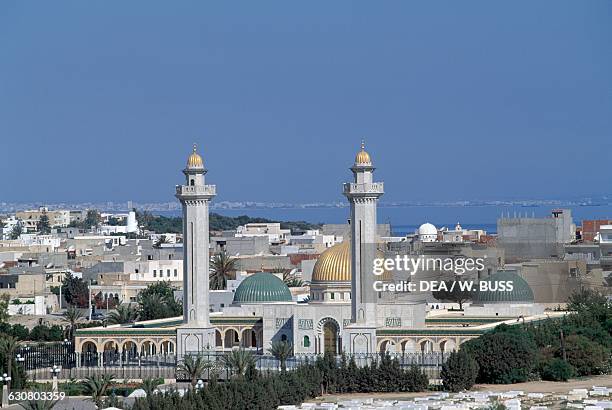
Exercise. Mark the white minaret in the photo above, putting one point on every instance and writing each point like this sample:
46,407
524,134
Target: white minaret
363,194
196,334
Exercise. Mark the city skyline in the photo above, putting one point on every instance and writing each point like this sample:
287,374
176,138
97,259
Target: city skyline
454,102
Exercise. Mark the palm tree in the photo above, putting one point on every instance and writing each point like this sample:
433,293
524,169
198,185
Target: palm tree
96,387
194,367
160,241
239,360
122,314
8,347
291,280
221,265
72,316
282,350
149,385
38,404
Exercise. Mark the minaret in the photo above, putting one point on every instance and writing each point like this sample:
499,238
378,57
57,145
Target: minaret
363,194
196,334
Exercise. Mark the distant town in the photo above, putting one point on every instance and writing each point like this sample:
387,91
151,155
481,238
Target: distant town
110,206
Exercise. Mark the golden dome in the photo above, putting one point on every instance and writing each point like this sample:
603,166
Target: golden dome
195,160
362,157
334,265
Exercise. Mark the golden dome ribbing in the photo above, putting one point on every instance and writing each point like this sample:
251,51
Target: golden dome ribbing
362,157
195,160
334,265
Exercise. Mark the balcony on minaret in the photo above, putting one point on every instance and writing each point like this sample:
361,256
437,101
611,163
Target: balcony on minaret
196,190
373,188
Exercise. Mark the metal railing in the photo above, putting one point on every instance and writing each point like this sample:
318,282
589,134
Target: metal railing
129,365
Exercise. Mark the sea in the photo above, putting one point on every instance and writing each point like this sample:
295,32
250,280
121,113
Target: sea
406,219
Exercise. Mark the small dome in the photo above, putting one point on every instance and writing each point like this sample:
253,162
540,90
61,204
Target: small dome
521,291
334,265
195,160
362,157
262,287
428,229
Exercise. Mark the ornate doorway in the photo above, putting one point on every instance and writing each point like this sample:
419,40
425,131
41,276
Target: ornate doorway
331,334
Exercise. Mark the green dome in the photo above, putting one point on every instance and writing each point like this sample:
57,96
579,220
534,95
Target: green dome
520,293
262,287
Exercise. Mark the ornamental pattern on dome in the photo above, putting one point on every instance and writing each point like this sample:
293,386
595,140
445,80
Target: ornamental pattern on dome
521,291
262,287
362,157
334,265
195,160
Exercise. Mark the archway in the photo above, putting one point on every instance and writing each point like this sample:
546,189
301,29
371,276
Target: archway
427,346
249,338
218,339
89,347
148,348
231,339
330,337
387,346
89,354
408,346
447,346
166,347
111,352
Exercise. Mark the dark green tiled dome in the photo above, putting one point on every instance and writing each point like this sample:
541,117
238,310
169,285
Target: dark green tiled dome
262,287
520,293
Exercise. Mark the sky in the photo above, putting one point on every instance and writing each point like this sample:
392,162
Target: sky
101,101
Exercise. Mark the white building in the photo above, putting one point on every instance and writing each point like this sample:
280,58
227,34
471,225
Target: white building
272,231
427,233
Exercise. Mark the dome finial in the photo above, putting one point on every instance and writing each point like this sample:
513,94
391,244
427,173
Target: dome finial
362,157
195,160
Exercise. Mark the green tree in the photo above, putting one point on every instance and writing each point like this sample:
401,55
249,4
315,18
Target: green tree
75,291
4,304
162,240
194,367
556,370
586,356
8,349
149,385
38,404
291,280
43,226
239,360
221,266
122,314
459,372
282,350
92,218
72,316
16,231
157,302
506,355
453,293
96,386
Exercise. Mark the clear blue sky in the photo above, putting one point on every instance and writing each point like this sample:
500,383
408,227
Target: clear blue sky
456,100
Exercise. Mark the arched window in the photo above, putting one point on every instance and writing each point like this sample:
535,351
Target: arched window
192,182
284,338
306,341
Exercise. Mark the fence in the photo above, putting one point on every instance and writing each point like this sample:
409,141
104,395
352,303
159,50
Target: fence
38,361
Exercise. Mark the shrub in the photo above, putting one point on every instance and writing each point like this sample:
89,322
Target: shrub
586,356
503,356
459,372
556,370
